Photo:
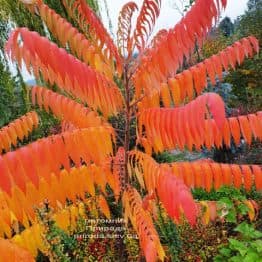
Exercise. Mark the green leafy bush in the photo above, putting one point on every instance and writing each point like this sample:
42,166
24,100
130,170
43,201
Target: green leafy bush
247,248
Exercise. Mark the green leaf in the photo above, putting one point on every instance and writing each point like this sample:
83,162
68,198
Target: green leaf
226,201
248,231
231,216
257,245
226,252
238,245
242,208
252,257
219,258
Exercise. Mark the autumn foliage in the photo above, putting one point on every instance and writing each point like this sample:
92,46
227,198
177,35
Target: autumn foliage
96,79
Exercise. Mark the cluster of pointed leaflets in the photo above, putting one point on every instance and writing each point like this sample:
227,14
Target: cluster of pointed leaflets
32,237
19,129
124,39
89,22
168,128
58,188
191,82
165,58
143,224
63,69
188,127
148,15
65,108
214,175
39,159
77,42
172,181
173,193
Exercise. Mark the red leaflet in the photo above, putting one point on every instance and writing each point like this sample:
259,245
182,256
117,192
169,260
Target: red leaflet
149,12
125,41
175,196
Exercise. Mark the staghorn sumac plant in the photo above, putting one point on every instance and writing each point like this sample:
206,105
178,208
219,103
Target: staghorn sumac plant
98,78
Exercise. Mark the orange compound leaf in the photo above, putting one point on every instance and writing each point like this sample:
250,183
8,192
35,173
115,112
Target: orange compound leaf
147,17
176,197
12,252
77,42
177,43
100,38
185,126
125,41
143,225
209,174
145,168
49,154
245,129
31,238
65,108
195,77
257,176
102,203
70,74
247,176
244,126
67,185
18,129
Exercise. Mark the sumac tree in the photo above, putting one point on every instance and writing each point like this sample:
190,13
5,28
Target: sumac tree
97,78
